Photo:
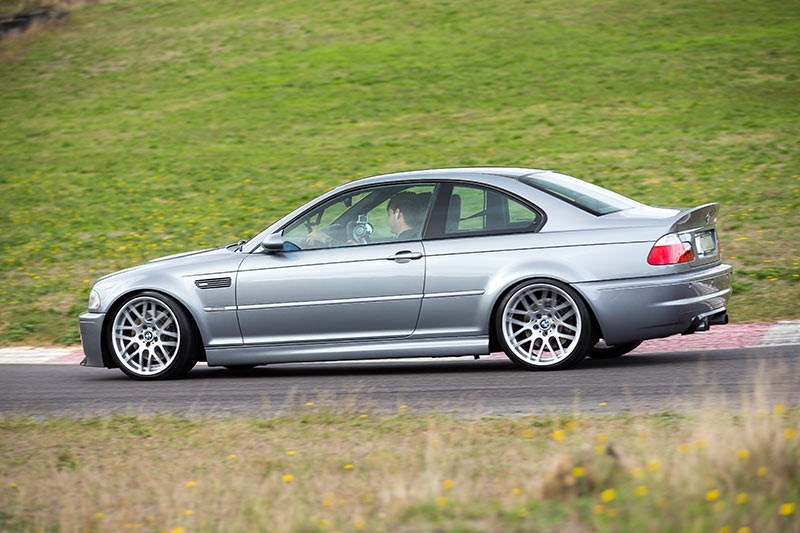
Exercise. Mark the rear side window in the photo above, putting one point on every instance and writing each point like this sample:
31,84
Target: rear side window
589,197
475,210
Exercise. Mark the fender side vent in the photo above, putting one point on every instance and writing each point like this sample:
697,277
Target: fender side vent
214,283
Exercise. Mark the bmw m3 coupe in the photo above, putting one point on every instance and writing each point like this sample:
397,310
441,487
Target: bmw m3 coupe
450,262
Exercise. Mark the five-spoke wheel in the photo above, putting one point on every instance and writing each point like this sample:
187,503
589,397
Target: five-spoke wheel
151,337
543,324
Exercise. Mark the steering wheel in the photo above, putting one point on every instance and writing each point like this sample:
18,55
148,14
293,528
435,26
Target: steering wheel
359,230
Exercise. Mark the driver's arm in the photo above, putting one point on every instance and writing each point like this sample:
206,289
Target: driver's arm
318,237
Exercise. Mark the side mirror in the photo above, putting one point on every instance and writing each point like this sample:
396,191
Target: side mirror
273,243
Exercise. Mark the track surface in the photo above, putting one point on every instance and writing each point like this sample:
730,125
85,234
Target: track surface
686,381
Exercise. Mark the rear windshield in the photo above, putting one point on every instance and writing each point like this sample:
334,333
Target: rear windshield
596,200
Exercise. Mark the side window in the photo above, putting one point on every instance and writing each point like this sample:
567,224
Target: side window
477,210
389,213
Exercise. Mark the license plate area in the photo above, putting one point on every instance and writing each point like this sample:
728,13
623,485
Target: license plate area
705,243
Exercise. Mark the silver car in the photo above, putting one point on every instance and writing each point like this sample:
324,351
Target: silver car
452,262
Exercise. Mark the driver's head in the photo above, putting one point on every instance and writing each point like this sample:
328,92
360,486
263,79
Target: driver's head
406,211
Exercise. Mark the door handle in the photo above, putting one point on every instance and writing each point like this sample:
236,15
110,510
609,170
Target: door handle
405,255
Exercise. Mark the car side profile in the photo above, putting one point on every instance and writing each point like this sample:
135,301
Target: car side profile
445,262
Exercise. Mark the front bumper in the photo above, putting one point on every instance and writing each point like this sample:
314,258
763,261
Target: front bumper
633,310
91,327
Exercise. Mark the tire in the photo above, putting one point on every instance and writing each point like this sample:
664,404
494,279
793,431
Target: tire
543,325
151,337
601,350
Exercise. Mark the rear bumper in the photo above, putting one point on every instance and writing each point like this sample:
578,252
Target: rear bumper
648,308
91,327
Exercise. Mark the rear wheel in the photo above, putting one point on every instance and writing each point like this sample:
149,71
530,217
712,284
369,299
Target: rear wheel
543,324
601,350
151,337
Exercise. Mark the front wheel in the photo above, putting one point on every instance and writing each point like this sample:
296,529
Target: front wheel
543,325
151,338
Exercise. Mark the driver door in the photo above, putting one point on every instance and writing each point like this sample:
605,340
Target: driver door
353,280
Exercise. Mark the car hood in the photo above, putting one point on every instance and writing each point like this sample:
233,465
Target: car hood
185,259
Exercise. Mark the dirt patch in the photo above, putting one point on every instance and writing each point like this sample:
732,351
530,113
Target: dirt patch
18,23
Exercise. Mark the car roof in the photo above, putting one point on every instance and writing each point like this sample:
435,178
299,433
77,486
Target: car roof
462,172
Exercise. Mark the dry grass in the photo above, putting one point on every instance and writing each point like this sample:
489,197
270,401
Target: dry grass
346,470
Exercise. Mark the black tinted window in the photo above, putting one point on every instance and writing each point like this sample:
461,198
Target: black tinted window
587,196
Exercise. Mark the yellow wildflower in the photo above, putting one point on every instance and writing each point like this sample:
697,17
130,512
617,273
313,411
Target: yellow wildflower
712,495
608,495
743,453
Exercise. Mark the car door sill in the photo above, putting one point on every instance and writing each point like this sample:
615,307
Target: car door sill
382,349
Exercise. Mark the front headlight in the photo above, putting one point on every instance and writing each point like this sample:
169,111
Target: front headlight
94,301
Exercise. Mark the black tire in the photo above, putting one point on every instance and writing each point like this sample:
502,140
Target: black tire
543,317
151,337
601,350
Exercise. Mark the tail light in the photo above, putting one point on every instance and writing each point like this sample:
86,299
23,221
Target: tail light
670,250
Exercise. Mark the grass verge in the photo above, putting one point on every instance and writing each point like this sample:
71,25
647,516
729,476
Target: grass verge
327,469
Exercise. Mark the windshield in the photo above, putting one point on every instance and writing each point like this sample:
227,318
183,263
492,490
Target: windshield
592,198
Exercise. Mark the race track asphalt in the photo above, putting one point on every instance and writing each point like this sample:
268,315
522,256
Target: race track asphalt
689,381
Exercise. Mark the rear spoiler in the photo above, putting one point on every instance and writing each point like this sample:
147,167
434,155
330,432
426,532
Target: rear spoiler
704,216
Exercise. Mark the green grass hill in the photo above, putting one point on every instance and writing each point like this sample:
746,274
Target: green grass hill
140,129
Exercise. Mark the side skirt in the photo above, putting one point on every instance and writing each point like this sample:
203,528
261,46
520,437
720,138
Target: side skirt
304,353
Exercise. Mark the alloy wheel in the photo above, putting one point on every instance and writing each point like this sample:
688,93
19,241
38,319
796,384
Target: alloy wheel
146,336
542,324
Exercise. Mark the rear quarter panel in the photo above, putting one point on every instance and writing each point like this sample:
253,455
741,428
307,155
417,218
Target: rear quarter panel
466,276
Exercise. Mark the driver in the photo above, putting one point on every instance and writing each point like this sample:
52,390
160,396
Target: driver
406,213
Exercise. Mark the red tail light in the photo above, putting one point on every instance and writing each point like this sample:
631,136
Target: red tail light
670,250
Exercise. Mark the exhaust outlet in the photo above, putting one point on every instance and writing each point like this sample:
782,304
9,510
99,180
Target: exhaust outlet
719,319
704,321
